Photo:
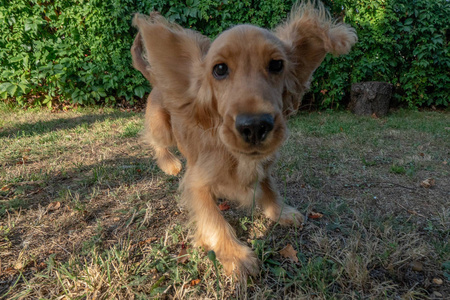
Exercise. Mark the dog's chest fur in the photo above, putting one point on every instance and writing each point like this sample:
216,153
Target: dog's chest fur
243,183
247,171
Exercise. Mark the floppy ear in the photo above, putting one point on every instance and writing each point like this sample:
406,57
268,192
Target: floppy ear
309,34
138,60
170,57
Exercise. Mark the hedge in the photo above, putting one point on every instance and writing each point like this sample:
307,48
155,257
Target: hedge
404,42
55,51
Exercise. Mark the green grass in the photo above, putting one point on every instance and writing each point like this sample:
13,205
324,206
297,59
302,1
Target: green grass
118,230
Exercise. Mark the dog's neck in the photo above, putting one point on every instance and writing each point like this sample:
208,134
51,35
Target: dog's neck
249,171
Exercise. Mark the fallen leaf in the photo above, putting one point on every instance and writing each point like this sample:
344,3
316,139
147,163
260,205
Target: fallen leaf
18,265
9,271
422,154
41,266
374,116
147,241
195,282
445,162
412,212
224,206
438,281
54,206
427,183
183,256
5,188
315,215
417,266
289,252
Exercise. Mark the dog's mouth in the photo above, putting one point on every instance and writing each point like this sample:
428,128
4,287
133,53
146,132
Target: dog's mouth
251,154
260,152
253,136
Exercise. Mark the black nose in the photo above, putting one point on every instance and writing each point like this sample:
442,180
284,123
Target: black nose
254,128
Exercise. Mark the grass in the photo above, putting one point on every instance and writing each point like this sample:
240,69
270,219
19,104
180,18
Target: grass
85,213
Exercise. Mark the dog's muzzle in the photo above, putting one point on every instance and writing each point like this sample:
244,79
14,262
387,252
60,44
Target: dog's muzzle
254,128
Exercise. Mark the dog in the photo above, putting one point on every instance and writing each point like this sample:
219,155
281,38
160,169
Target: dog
224,104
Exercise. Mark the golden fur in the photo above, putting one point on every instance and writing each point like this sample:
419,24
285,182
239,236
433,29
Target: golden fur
190,108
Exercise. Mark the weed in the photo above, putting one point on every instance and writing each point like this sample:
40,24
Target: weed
398,169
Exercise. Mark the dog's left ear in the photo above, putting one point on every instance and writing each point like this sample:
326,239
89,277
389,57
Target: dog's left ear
170,57
309,34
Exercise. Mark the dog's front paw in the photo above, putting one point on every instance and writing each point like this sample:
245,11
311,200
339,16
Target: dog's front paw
286,215
241,260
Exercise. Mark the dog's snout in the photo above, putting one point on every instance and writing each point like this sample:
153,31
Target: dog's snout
254,128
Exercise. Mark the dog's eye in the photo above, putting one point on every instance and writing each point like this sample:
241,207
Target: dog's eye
220,71
275,66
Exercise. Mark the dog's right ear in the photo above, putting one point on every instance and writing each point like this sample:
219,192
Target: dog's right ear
169,56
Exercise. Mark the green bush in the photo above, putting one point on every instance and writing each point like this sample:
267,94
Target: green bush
78,51
404,42
54,51
67,50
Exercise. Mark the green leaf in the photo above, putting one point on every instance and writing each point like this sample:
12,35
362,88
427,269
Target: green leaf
272,262
9,88
139,91
278,271
23,87
408,21
15,59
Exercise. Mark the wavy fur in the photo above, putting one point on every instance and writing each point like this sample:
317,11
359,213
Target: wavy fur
197,111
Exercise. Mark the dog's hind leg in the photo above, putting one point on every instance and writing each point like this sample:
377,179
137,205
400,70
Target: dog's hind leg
158,134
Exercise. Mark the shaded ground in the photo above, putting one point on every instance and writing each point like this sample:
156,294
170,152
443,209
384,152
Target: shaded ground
86,213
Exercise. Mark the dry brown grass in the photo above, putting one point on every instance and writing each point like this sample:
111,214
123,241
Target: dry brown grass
117,230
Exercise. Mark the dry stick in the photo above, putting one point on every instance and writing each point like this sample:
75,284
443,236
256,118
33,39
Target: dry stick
413,212
399,185
62,248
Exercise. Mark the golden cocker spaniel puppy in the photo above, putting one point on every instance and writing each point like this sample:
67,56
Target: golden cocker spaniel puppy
224,104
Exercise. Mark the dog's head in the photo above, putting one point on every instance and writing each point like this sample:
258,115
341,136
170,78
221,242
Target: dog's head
247,81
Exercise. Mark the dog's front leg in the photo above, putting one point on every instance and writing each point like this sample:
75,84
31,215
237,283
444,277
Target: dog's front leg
275,209
214,233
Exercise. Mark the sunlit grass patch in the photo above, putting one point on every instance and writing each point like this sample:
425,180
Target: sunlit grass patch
86,213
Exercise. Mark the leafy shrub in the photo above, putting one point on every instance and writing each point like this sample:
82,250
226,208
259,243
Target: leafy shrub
54,50
404,42
78,50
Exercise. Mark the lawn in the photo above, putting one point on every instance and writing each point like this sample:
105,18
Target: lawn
86,214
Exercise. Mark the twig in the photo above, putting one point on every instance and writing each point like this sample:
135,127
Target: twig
413,212
396,184
62,248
